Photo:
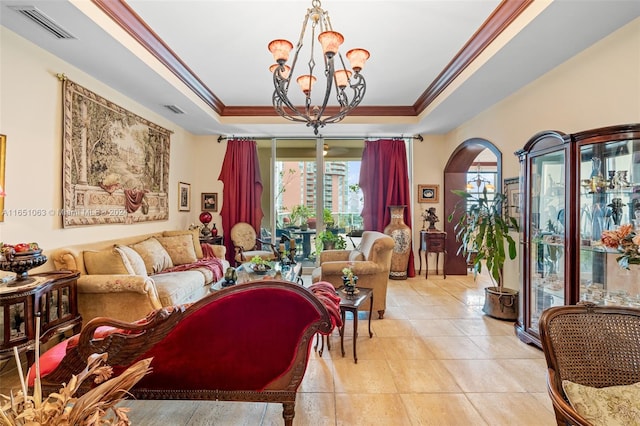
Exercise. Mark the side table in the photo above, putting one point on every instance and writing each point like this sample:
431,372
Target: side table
351,304
53,296
217,240
432,242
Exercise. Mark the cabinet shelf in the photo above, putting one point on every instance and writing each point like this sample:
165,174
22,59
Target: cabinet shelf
563,220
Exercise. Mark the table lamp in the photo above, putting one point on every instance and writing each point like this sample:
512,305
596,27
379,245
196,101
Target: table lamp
205,218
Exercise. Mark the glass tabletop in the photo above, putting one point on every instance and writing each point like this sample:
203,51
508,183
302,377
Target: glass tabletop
279,270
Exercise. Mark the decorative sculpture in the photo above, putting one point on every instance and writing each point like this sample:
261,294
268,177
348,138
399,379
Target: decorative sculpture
430,216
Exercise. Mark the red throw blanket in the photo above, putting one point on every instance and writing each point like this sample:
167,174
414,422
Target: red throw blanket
326,292
211,263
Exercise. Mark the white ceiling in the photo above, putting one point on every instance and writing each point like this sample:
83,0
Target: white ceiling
224,43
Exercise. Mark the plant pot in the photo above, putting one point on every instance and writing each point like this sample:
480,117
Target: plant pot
328,245
501,304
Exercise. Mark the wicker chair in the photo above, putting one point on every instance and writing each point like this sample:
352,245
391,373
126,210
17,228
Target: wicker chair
590,345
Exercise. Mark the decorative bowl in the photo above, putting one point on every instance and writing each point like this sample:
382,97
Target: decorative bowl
262,270
20,263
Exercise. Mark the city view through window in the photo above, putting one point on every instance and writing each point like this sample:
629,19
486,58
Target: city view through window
297,186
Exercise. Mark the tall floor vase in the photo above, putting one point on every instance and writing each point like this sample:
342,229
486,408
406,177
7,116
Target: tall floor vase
401,234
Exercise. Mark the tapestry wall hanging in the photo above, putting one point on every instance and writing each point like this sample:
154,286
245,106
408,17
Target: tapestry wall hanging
116,164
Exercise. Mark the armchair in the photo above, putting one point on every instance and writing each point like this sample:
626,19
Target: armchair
247,244
371,262
597,347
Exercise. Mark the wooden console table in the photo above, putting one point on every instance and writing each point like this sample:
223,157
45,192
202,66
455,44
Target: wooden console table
432,242
53,296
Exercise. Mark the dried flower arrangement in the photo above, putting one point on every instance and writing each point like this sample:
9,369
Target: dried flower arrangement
62,408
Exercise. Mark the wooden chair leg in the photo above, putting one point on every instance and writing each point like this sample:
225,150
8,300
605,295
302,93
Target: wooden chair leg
288,412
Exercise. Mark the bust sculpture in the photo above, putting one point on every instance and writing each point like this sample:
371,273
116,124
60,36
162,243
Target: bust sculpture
430,216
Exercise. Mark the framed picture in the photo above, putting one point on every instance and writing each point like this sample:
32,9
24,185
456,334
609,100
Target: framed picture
209,201
184,197
428,193
514,198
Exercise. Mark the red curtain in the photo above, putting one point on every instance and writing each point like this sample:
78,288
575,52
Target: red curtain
384,180
242,191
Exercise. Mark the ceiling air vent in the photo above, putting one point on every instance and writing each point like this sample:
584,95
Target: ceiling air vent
31,12
174,109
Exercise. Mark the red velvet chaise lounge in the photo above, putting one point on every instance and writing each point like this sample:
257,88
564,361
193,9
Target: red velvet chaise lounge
249,342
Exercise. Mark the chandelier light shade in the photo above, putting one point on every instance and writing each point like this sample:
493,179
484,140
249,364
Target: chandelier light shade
478,181
335,72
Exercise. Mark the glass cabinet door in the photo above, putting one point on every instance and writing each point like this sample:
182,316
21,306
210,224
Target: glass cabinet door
609,203
546,228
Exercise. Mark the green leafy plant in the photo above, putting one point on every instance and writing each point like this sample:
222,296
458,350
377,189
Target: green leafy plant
300,213
327,218
483,229
328,239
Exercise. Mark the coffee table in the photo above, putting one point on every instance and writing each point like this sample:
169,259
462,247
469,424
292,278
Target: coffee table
278,271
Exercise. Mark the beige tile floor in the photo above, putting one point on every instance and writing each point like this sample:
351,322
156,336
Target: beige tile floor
434,359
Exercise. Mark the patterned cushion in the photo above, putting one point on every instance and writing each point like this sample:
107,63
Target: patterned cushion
243,235
132,260
154,255
611,406
104,262
195,234
180,248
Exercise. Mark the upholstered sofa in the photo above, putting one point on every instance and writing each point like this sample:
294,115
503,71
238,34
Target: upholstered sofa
248,342
370,261
125,279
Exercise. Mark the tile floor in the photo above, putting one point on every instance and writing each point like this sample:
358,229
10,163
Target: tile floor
435,359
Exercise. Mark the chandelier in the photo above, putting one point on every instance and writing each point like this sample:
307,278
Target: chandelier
478,181
330,41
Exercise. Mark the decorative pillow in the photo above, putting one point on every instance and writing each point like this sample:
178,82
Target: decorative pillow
195,234
356,255
104,262
180,248
611,406
154,255
132,261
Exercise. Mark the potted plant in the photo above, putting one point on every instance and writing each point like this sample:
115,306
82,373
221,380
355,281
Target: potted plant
349,280
300,214
483,229
327,240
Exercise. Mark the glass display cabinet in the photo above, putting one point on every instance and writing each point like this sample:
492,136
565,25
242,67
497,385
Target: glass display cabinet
577,187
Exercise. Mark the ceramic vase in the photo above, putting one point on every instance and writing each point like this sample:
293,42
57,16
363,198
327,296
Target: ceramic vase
401,234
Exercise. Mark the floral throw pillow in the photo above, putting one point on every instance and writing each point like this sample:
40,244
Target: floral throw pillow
610,406
154,255
180,248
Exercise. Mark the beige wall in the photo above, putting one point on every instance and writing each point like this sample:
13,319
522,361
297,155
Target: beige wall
598,87
31,118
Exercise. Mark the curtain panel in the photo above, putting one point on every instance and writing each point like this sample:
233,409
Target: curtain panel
384,180
242,192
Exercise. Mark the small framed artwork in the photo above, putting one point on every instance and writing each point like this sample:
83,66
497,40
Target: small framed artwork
428,193
514,198
184,197
209,201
